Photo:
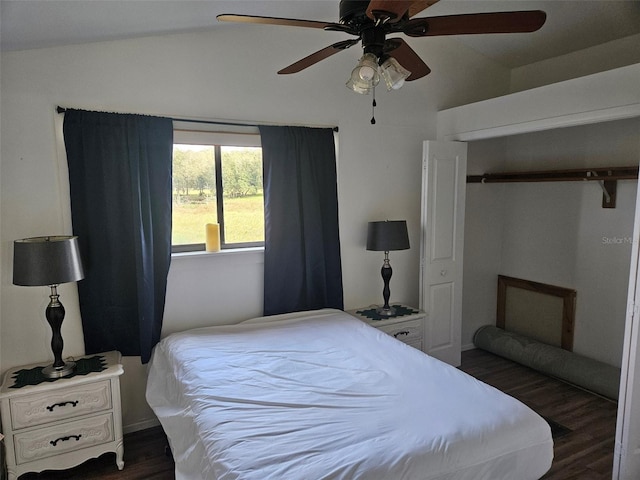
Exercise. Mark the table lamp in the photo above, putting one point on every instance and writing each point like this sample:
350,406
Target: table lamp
385,237
40,261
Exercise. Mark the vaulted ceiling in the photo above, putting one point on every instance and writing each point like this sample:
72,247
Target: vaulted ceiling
570,25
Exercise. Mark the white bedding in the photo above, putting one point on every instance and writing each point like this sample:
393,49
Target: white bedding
322,395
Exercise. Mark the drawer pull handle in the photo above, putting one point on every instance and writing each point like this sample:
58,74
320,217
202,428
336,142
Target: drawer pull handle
64,439
401,334
62,404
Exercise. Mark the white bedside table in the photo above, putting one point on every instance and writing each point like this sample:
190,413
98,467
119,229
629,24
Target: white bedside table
407,325
59,423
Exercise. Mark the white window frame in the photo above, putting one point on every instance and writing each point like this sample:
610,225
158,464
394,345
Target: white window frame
190,133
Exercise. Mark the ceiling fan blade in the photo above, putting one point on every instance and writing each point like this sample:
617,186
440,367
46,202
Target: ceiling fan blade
476,23
318,56
289,22
419,5
407,57
392,10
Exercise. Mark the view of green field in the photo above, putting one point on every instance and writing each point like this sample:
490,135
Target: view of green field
194,193
244,220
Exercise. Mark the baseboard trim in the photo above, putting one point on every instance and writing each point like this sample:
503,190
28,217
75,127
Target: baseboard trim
143,425
468,346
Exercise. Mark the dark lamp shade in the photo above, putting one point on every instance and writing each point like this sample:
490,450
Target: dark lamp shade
387,236
40,261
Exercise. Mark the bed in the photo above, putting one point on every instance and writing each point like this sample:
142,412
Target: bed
322,395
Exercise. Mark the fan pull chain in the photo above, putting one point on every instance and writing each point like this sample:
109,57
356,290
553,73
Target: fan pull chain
373,107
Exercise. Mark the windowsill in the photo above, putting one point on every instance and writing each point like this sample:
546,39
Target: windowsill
223,253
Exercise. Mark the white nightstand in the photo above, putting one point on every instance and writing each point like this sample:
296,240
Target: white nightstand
60,423
407,326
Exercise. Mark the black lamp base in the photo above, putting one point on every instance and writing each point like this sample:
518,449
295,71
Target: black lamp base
55,315
51,371
386,311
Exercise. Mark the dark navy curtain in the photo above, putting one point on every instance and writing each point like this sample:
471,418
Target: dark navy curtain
120,182
302,267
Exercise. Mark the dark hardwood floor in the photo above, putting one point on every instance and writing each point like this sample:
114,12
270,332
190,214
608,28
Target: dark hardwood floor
584,451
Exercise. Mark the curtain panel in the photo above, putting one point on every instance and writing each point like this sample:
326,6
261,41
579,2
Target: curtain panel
302,265
120,184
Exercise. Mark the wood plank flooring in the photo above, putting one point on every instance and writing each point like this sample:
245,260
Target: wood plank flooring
584,453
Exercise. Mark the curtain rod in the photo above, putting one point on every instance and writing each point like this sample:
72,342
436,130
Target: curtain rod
60,109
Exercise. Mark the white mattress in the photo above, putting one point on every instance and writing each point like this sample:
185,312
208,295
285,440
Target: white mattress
325,396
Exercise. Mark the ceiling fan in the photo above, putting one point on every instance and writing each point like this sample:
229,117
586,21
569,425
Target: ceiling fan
370,21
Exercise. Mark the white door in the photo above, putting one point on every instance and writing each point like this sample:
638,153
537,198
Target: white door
626,464
444,173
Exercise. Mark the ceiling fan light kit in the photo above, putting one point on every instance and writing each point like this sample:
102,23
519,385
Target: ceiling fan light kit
393,73
370,21
365,76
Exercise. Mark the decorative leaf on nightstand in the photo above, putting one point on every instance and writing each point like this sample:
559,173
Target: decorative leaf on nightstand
33,376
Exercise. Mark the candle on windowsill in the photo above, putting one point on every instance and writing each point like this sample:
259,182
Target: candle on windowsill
213,237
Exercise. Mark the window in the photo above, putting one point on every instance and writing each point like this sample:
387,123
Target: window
217,178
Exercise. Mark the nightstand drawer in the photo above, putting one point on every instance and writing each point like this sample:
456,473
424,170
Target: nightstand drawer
408,332
72,402
63,438
407,325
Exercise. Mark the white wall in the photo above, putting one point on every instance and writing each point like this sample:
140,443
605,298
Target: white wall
484,212
228,74
556,233
610,55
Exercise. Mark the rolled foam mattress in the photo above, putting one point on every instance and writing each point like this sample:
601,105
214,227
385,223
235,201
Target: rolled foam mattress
584,372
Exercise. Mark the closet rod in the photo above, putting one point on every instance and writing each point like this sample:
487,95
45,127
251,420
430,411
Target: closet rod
60,109
583,174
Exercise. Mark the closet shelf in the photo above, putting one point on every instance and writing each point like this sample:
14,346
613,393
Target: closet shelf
572,175
600,97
